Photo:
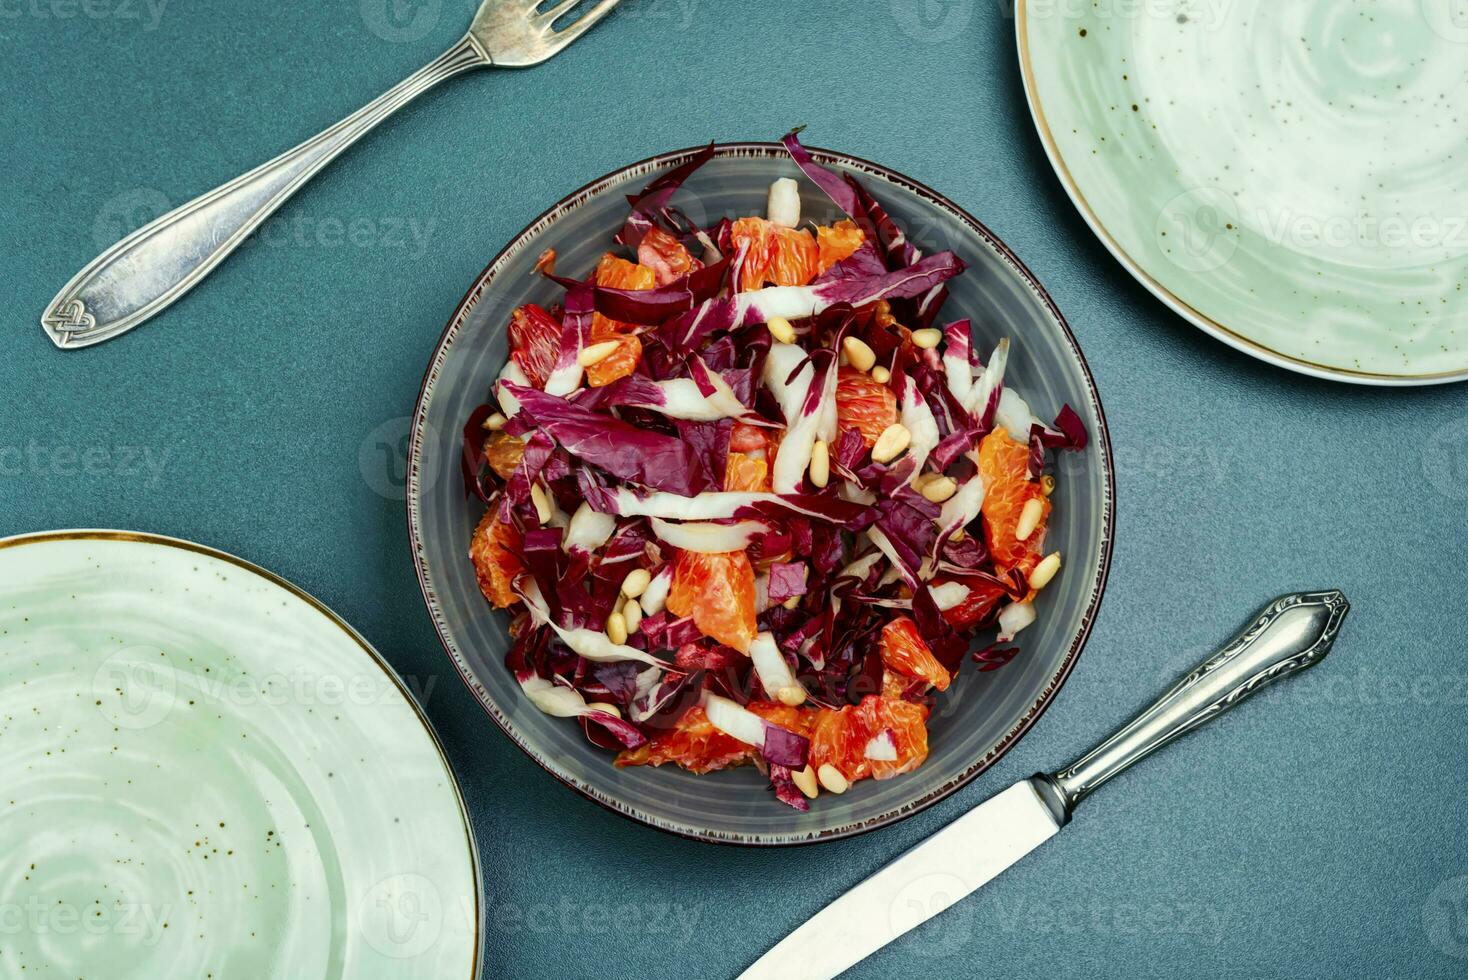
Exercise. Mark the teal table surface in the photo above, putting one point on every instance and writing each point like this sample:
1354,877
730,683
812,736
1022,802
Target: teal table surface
1317,832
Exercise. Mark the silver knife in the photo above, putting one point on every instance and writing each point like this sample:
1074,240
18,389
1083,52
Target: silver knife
1291,633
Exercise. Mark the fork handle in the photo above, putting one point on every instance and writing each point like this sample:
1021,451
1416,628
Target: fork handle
148,270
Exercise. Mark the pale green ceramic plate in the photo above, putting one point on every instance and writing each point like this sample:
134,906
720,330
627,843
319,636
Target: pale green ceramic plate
208,774
1290,177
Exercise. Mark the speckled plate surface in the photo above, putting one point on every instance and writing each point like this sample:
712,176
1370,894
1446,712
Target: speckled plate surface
979,718
208,774
1290,177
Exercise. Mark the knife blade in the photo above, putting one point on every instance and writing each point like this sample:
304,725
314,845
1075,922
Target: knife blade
924,881
1288,635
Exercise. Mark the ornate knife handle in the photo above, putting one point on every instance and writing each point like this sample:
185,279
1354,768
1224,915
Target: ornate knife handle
1291,633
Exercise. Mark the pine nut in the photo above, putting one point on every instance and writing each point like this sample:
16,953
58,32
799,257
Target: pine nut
805,781
1047,484
927,338
632,615
893,442
636,582
1045,571
958,535
1029,519
781,329
858,354
543,509
820,463
881,375
792,603
617,628
495,422
596,353
832,779
792,695
610,709
939,489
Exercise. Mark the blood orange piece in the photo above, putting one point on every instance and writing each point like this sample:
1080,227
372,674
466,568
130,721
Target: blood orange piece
864,404
1004,464
696,745
535,340
666,256
840,738
495,551
904,651
718,592
748,439
976,607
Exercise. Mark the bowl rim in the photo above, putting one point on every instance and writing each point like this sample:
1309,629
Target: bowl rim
759,150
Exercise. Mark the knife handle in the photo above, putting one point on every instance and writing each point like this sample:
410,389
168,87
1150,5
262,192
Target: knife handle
1291,633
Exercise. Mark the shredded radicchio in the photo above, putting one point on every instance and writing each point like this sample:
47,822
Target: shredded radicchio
717,555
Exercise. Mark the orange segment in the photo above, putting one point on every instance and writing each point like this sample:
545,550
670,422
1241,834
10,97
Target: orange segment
617,273
1004,465
503,452
776,256
718,592
904,651
745,473
864,404
495,551
840,738
620,363
835,243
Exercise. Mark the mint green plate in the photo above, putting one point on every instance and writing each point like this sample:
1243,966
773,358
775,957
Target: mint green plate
208,774
1290,177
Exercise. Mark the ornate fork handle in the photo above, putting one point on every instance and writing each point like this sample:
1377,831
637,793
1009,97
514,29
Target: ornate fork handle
1290,634
155,265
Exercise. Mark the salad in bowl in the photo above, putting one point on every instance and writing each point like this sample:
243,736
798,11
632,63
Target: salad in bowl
751,498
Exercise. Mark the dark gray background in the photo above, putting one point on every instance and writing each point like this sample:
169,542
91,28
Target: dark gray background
1318,832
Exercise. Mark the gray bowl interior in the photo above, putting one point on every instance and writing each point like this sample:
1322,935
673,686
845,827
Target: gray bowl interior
977,719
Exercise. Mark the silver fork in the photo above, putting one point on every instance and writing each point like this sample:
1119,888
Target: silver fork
148,270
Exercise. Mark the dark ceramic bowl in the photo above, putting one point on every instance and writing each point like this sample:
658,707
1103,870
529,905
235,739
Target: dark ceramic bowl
978,719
